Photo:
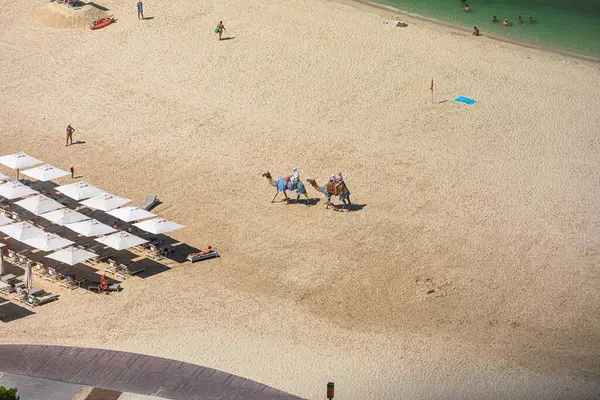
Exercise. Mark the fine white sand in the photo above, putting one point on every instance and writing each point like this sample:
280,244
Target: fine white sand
470,272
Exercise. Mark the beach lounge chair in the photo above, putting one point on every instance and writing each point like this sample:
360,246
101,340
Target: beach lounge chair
5,288
11,255
112,268
115,287
37,298
21,295
161,253
39,269
53,276
150,202
201,257
127,271
69,283
8,278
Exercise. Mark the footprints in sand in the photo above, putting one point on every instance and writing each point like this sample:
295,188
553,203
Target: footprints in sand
427,288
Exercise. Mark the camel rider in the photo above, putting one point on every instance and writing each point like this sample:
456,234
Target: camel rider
342,189
330,187
295,176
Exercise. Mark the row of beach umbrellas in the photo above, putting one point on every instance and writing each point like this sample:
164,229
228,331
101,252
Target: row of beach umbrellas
88,195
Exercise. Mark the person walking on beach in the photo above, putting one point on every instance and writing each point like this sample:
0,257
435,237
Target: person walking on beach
72,172
140,8
220,28
70,131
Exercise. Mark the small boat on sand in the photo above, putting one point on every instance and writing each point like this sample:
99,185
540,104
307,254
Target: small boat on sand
102,22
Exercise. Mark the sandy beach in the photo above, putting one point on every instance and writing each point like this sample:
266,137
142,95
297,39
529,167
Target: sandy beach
468,270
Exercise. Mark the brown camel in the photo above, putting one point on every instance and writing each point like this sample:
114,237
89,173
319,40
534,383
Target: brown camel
333,188
281,185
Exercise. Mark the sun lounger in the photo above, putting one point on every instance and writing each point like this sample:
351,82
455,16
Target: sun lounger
69,284
201,257
39,298
39,269
115,287
127,271
11,255
53,276
21,295
159,253
5,288
150,202
98,260
9,278
146,246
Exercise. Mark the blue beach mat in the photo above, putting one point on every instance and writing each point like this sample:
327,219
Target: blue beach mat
465,100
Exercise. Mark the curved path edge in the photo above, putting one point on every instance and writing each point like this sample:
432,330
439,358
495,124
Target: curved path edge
132,372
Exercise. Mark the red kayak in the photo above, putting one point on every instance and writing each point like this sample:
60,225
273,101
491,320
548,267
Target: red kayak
101,23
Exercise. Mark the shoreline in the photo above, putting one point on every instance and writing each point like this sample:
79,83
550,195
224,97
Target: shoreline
385,11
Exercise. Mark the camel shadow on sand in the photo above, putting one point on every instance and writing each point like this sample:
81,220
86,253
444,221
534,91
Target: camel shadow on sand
353,207
307,202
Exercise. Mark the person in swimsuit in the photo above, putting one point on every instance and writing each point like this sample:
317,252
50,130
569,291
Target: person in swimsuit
505,22
495,20
70,131
530,20
140,8
220,29
103,287
467,8
520,20
475,31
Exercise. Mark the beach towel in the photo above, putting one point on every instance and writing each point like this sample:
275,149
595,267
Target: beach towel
465,100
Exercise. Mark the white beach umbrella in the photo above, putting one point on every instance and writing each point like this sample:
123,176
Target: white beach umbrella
18,161
121,240
4,177
158,225
90,227
131,213
4,220
15,189
64,216
21,230
105,202
39,204
47,242
79,191
45,173
72,255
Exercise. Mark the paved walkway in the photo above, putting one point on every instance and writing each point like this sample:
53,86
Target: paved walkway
29,388
130,372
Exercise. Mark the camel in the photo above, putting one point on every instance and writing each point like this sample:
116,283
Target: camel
282,185
332,188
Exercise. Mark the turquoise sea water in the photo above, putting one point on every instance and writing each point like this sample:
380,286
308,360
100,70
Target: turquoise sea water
568,25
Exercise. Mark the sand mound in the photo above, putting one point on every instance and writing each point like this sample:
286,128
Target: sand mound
63,17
